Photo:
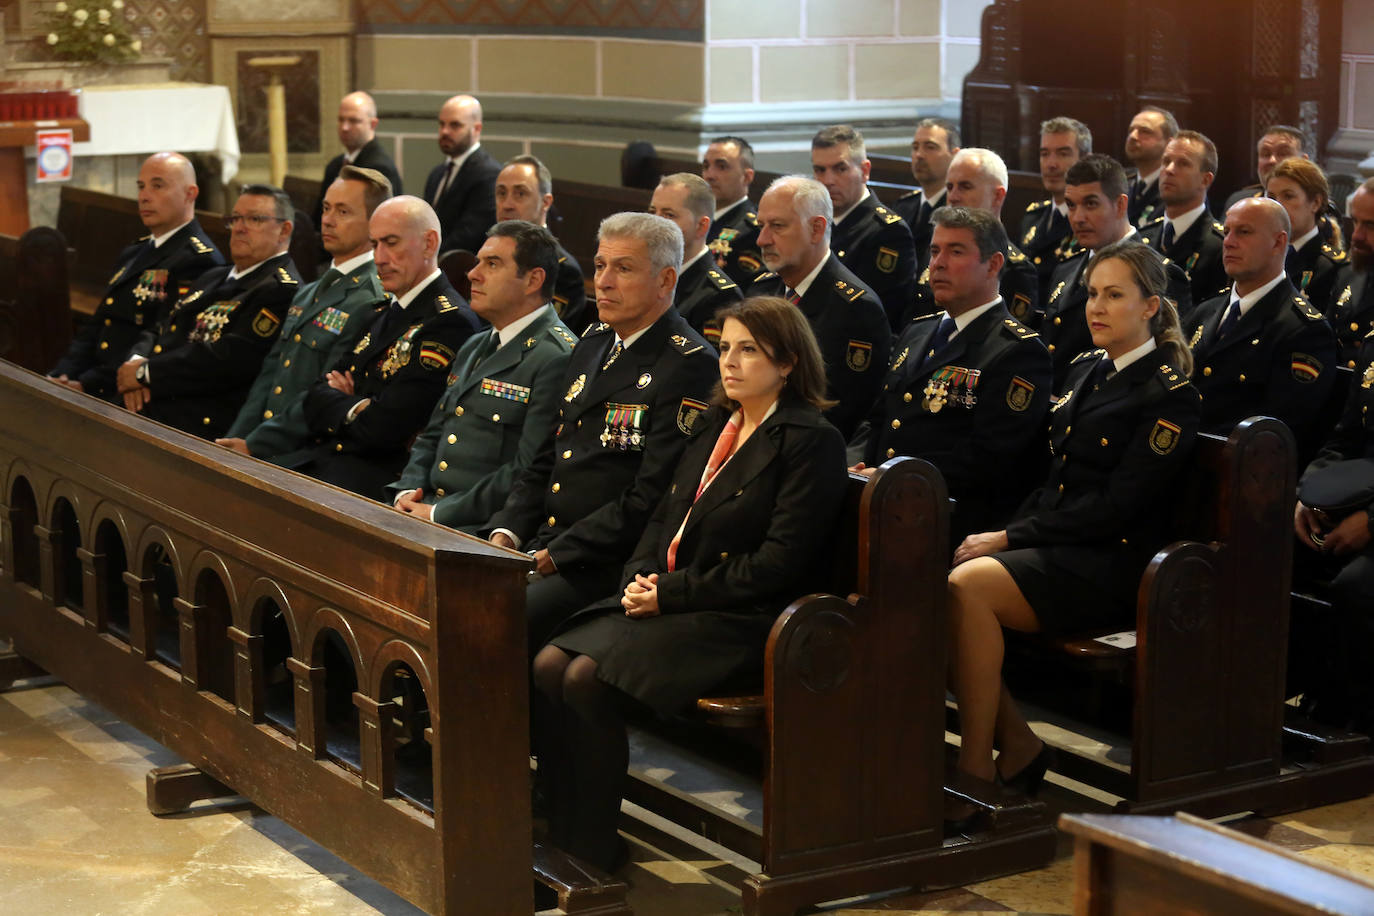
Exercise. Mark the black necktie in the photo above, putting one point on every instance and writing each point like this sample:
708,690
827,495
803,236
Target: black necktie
1168,235
490,346
443,182
1229,320
1290,261
941,337
327,279
1104,370
391,319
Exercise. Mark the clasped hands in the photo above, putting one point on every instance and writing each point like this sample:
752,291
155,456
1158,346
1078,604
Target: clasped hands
1349,535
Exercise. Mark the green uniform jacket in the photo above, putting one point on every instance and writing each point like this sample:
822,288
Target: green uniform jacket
490,423
320,329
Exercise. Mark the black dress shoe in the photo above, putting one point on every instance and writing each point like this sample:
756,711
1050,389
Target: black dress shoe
1030,777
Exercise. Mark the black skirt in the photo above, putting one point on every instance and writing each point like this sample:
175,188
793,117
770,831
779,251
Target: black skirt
1075,587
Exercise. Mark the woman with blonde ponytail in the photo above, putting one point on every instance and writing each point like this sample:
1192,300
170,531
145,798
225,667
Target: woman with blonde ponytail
1073,555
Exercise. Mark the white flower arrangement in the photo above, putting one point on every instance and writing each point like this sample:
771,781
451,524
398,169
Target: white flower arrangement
90,30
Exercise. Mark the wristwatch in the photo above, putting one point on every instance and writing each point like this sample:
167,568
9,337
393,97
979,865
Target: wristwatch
141,373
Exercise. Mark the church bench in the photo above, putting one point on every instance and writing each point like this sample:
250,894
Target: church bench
850,723
1200,682
577,212
355,672
35,311
1145,865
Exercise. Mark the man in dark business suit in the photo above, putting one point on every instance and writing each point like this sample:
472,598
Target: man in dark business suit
359,419
702,288
358,134
524,191
1261,348
846,316
969,388
461,189
634,389
195,370
149,276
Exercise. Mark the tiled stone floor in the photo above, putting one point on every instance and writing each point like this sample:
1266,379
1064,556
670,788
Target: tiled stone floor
76,838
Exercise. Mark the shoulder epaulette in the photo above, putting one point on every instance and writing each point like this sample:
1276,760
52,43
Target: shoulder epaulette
720,279
1171,378
1039,205
201,247
444,305
1018,329
563,334
1307,309
1337,255
1071,252
849,292
595,328
886,216
1086,354
752,218
1219,228
684,345
766,275
909,194
1015,255
285,277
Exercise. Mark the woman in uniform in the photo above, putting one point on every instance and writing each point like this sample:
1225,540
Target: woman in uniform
739,535
1301,187
1073,554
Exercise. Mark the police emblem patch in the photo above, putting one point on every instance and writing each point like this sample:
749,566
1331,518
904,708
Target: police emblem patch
887,260
644,381
576,387
1305,368
1020,305
1019,393
434,355
265,324
859,355
688,413
1164,437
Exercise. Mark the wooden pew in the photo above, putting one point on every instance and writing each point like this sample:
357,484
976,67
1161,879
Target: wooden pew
357,673
1205,681
1146,865
851,722
579,208
35,309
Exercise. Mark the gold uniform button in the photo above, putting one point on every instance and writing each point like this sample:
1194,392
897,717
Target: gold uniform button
107,322
1051,348
552,521
443,465
1104,440
267,414
277,390
174,327
839,254
439,492
725,554
104,345
205,421
1061,488
338,447
567,453
1058,321
452,438
896,424
556,487
891,452
496,418
286,362
1242,376
458,411
297,338
109,301
157,348
1351,364
1207,370
907,397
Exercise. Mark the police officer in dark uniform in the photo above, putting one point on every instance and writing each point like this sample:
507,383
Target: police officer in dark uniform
524,190
1045,235
934,144
702,288
1150,132
869,239
360,418
1262,348
977,178
1312,264
149,276
194,372
1187,234
846,316
969,387
503,391
1277,144
728,168
1352,303
324,322
631,396
1095,189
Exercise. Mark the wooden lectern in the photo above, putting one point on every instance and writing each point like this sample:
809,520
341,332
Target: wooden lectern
14,181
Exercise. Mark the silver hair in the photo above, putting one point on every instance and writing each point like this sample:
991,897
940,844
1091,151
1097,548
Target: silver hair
660,236
986,161
810,199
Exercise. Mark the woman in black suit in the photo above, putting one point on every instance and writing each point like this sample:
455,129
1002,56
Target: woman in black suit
1074,553
739,535
1312,263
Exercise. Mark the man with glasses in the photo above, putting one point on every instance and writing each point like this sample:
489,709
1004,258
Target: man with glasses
194,370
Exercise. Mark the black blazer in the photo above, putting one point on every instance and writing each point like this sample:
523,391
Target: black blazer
702,290
875,243
1198,252
468,208
371,156
1351,311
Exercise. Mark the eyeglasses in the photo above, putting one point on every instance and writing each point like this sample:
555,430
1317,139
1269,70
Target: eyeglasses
255,220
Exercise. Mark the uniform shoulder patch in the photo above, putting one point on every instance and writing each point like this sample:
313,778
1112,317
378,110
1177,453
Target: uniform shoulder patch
285,277
1306,309
561,333
1170,377
886,216
1038,205
1219,229
595,328
688,413
720,280
1305,367
684,345
1337,255
1087,354
850,293
200,245
265,324
1164,436
1018,330
444,304
1015,255
435,356
752,218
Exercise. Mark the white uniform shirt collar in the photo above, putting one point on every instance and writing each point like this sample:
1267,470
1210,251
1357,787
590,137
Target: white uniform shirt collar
414,291
801,288
1248,301
972,315
721,211
517,327
159,239
1185,222
1131,356
353,263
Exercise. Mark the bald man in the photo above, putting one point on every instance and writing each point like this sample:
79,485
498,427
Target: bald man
461,189
358,134
361,416
1261,348
149,276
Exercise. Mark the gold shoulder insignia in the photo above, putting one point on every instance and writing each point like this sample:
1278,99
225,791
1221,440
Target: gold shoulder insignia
563,334
683,345
200,246
1019,329
562,260
1154,222
1171,377
1306,309
1197,336
1038,205
285,277
1015,255
595,328
1087,354
752,218
1219,228
886,216
719,279
1370,334
444,304
1337,255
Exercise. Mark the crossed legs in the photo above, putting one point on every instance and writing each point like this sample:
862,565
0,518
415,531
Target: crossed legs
983,598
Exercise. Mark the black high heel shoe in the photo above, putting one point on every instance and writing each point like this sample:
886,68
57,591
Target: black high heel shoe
1032,775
